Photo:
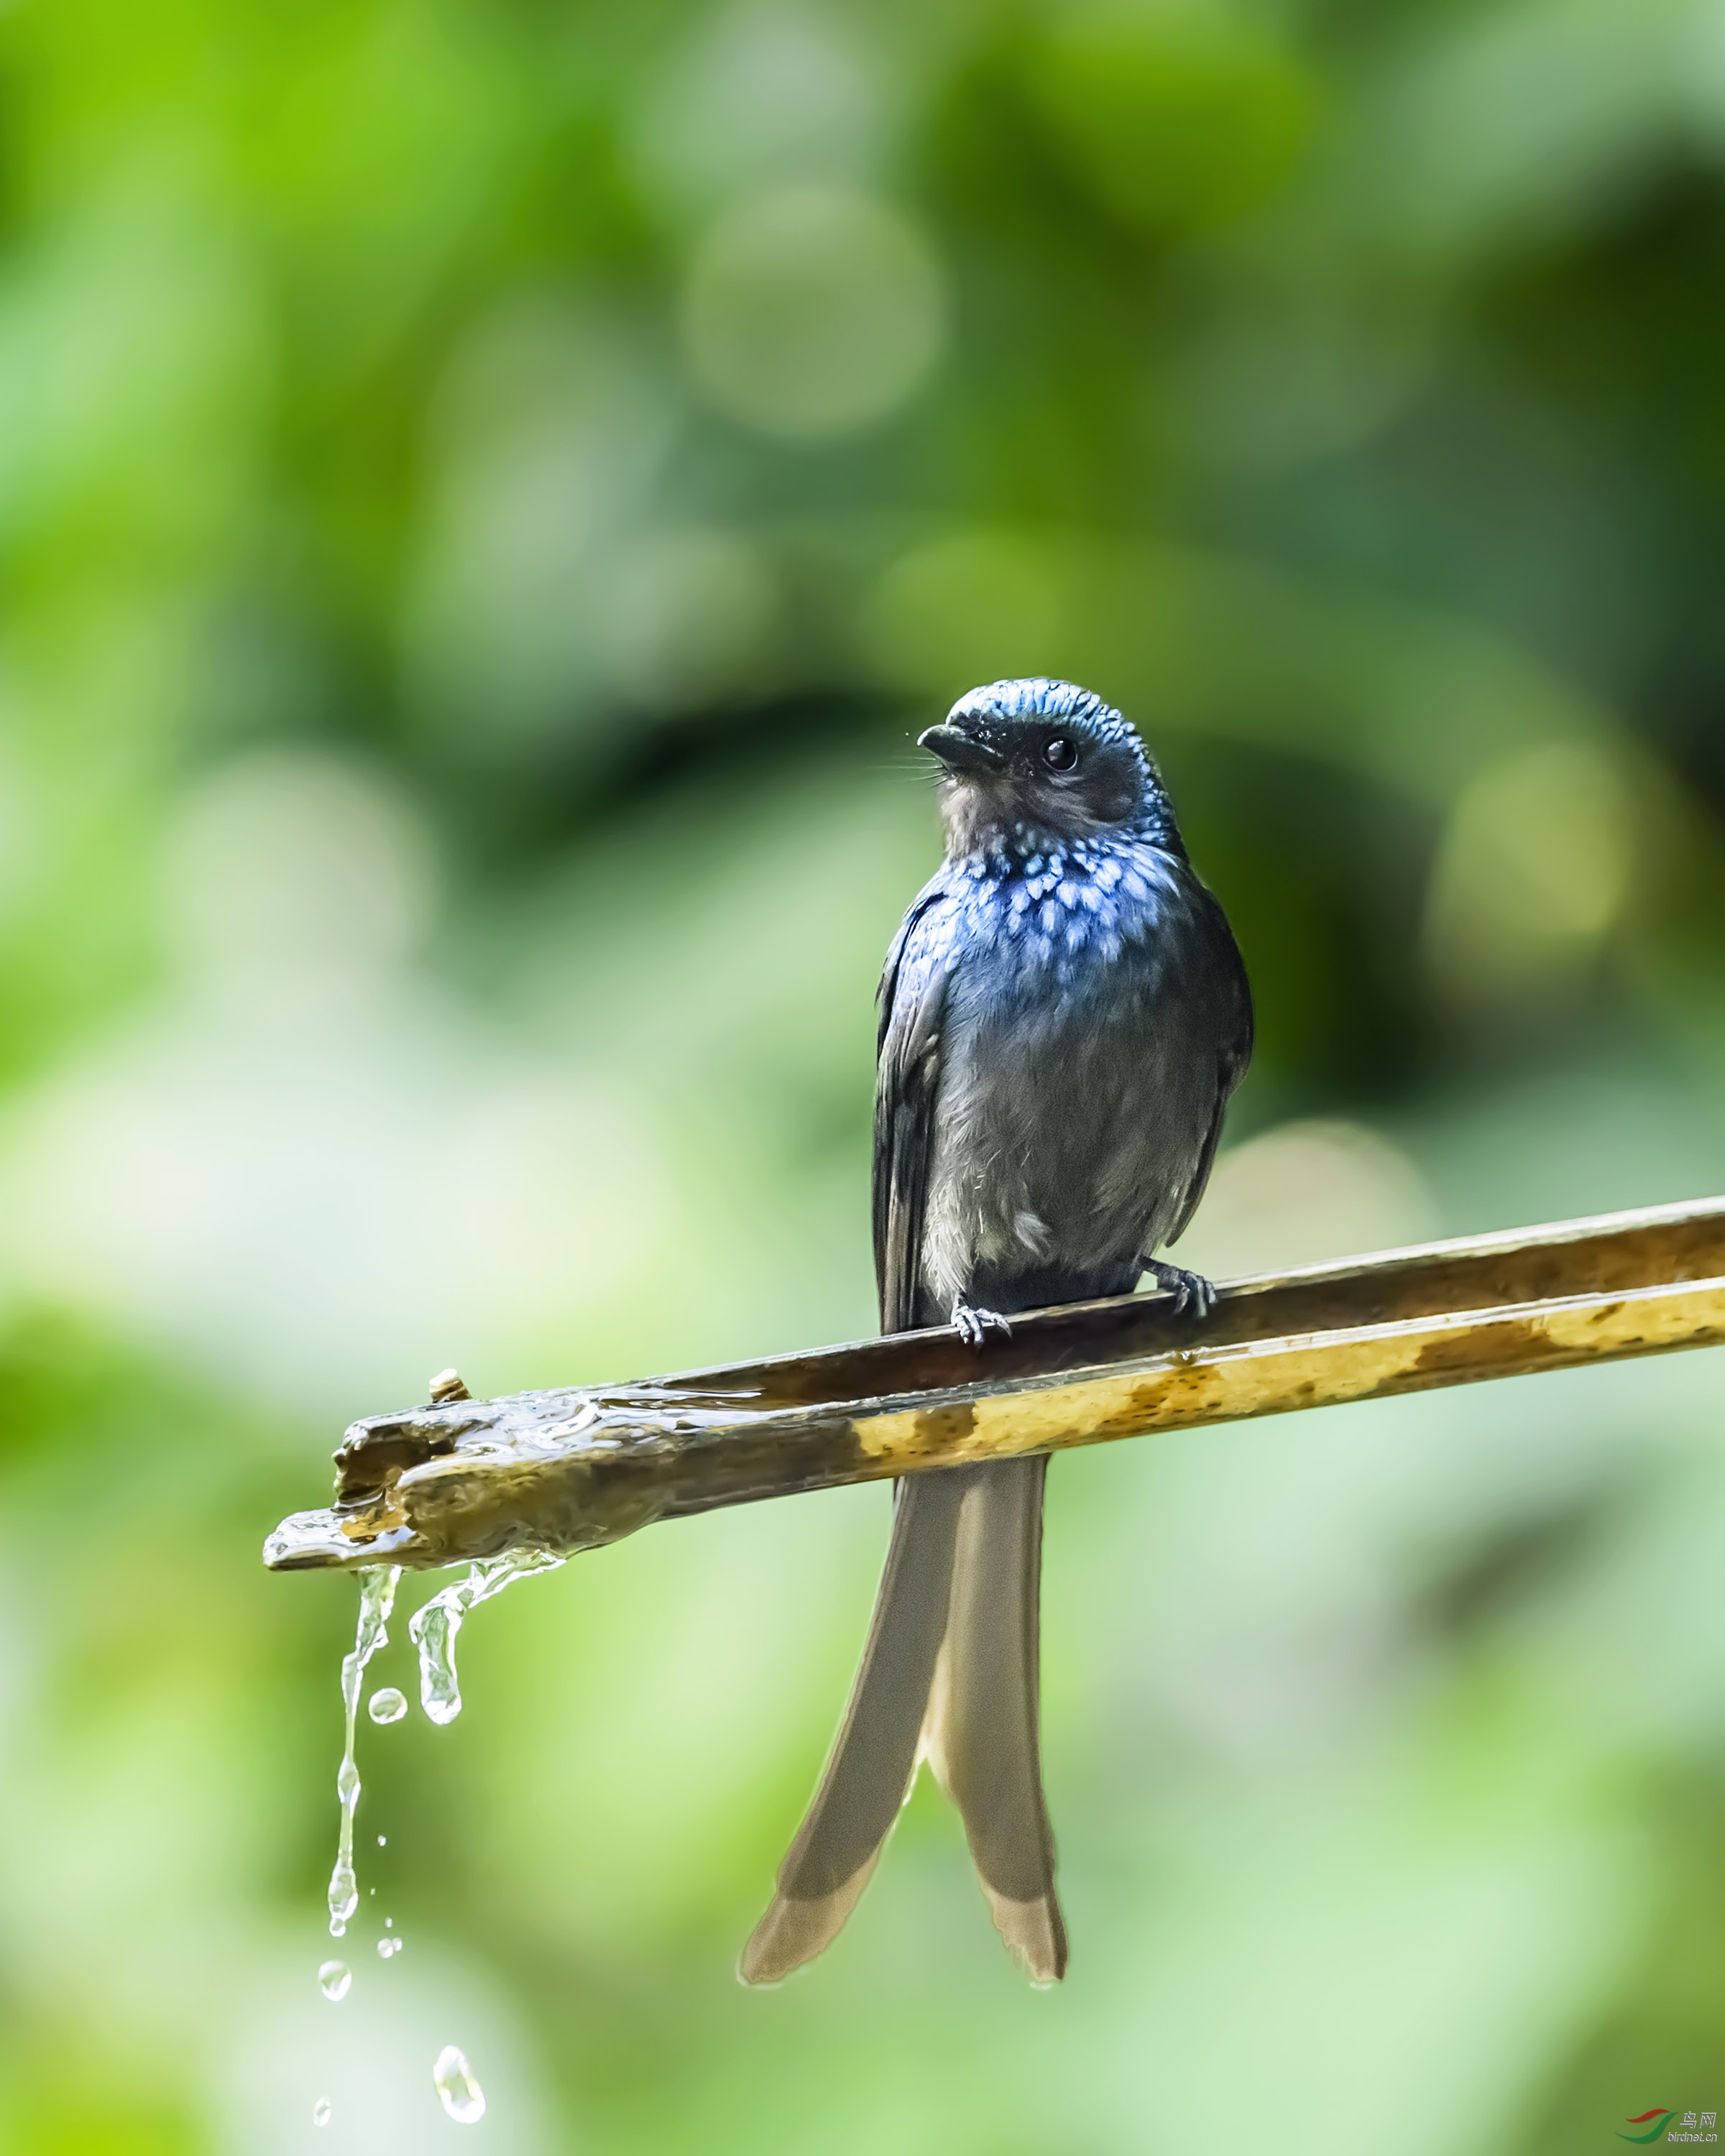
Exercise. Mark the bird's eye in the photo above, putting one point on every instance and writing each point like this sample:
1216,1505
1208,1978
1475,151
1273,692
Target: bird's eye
1060,754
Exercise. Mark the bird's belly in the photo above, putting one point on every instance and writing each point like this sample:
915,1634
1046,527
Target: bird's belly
1062,1151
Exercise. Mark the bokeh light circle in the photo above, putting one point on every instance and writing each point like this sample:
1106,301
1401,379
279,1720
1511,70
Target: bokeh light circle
812,311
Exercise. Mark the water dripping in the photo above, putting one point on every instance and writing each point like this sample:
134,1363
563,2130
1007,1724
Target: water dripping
388,1704
461,2095
321,2112
377,1598
388,1948
333,1979
435,1627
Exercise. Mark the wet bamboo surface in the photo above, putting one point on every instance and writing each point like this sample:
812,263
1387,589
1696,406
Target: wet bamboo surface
567,1470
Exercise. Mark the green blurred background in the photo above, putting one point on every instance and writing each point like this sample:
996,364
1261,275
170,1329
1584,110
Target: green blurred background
488,495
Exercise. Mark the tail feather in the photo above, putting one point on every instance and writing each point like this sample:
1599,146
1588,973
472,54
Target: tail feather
982,1734
874,1755
950,1672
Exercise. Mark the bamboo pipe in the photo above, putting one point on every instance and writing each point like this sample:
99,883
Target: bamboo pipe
459,1479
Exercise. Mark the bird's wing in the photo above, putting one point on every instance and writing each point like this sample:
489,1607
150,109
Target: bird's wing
913,988
1234,1049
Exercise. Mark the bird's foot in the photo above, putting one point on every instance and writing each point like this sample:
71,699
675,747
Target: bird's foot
1191,1291
973,1326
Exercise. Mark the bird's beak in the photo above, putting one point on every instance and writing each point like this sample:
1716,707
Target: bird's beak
960,751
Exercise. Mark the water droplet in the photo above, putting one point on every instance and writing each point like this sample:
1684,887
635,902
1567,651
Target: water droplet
388,1705
333,1979
387,1947
435,1627
321,2112
463,2098
376,1597
382,1840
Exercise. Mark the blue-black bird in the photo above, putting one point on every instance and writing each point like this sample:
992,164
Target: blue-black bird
1063,1015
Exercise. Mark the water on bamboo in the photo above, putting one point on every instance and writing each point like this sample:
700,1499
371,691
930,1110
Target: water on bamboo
434,1630
377,1598
435,1627
461,2094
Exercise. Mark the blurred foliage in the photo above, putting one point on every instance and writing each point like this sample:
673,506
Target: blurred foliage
488,492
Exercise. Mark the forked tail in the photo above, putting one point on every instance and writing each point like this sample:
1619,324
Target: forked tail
949,1673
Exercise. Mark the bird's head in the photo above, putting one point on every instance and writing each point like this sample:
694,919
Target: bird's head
1032,766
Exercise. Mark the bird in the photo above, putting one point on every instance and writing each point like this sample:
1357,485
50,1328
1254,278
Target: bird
1063,1015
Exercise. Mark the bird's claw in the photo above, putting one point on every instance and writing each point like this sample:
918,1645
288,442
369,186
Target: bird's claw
973,1326
1191,1291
